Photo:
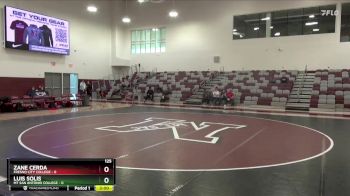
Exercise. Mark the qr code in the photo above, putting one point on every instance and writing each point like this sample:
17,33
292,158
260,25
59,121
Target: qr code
61,35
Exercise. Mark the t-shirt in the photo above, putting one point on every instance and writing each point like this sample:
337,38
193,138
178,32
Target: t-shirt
284,80
229,95
82,86
216,93
150,92
18,26
40,93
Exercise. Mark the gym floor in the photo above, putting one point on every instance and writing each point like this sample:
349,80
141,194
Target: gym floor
201,152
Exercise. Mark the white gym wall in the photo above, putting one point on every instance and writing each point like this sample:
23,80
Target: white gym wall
204,30
90,41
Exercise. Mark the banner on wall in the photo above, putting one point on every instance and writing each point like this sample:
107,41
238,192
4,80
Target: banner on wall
30,31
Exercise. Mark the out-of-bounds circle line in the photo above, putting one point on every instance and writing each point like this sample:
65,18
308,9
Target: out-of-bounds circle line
186,170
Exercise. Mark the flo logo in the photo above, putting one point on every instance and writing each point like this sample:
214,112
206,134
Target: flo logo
329,12
204,132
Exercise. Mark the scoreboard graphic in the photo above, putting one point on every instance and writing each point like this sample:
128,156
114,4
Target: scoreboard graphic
61,174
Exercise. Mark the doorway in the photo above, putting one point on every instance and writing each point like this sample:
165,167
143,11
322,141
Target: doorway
58,84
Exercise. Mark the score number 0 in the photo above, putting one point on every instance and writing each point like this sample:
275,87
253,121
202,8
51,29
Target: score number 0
106,170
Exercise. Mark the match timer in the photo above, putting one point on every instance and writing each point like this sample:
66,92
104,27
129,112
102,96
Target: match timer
61,174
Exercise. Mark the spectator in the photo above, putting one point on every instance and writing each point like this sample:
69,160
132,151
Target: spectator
41,88
82,87
159,90
32,91
126,83
122,85
165,96
135,81
229,97
216,96
103,91
40,92
149,95
134,93
284,79
4,107
89,89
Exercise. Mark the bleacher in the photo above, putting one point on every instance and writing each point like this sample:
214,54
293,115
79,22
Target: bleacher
25,103
101,88
254,87
331,90
260,87
179,85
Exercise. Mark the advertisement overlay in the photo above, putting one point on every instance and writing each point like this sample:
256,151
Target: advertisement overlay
35,32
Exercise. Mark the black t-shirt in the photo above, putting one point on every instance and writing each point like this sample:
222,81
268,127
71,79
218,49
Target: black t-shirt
284,79
150,92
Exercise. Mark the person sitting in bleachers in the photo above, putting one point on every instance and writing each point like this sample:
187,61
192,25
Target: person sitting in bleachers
165,96
31,92
136,81
125,84
40,92
216,96
229,97
149,95
284,79
5,104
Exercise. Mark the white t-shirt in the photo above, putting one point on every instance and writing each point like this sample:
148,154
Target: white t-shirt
82,86
216,93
